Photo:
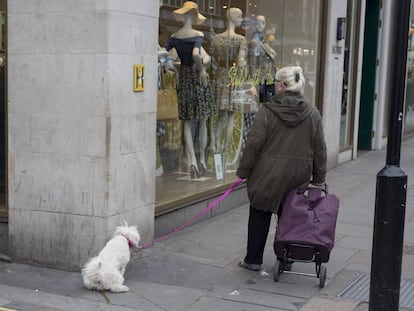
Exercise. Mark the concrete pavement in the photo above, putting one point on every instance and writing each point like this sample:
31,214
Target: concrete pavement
197,270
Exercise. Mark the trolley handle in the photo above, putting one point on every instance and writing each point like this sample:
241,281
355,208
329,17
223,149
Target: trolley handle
324,188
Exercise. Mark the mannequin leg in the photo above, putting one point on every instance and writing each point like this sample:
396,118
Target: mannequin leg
189,147
228,136
203,144
221,120
229,131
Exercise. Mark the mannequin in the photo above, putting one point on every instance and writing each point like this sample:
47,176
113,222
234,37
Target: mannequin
228,49
262,62
262,58
195,101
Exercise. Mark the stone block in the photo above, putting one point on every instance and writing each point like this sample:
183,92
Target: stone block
60,85
133,41
77,185
67,33
57,240
131,133
55,134
130,182
147,8
93,136
19,123
37,6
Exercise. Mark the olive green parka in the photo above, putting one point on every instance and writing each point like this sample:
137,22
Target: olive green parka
285,149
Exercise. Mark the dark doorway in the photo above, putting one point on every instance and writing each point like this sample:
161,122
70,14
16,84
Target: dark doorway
369,68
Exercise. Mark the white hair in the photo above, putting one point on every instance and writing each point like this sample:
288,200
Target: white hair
292,77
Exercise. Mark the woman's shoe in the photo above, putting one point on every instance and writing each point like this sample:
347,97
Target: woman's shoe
203,170
194,172
249,266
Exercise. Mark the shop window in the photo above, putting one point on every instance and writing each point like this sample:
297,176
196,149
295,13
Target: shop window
243,43
347,107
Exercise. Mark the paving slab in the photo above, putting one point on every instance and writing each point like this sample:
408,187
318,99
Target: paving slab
173,269
47,300
259,298
214,304
129,300
270,286
174,298
329,304
38,278
355,242
4,302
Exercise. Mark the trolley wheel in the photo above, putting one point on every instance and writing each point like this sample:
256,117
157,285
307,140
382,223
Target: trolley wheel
322,276
276,270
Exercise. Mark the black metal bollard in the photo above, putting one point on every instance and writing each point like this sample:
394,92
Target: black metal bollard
391,191
388,239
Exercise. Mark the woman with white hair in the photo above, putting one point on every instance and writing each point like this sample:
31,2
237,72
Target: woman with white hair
285,149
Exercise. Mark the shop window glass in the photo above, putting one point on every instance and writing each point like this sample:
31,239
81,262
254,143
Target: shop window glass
347,109
242,45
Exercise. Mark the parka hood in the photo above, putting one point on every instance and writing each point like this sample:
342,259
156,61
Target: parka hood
291,107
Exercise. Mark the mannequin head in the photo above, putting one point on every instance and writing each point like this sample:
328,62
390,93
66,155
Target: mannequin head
235,16
260,23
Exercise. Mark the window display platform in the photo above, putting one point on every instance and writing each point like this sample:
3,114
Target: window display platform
175,190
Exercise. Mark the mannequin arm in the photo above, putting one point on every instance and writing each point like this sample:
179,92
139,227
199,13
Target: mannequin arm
242,62
206,59
199,63
162,52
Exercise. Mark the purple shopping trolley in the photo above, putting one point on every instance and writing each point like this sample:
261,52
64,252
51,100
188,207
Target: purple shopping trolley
306,230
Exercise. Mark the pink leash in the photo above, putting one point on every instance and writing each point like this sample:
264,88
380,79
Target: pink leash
196,217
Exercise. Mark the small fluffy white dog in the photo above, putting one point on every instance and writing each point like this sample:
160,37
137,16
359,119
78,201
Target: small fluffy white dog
106,271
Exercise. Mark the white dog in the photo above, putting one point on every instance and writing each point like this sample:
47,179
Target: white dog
106,271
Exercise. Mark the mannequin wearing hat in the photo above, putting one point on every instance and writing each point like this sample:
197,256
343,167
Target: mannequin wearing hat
227,49
195,100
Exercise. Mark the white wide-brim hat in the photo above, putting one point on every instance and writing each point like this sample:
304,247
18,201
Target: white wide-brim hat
187,7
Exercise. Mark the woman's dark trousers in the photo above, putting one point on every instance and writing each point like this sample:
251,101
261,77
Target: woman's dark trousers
258,229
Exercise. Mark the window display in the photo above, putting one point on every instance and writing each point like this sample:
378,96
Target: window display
195,99
223,56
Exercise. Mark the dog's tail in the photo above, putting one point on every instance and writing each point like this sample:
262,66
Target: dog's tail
92,276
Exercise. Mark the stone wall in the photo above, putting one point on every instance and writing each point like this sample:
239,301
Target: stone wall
333,79
81,142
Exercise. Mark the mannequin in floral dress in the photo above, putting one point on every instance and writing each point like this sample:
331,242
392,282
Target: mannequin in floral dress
195,101
227,49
